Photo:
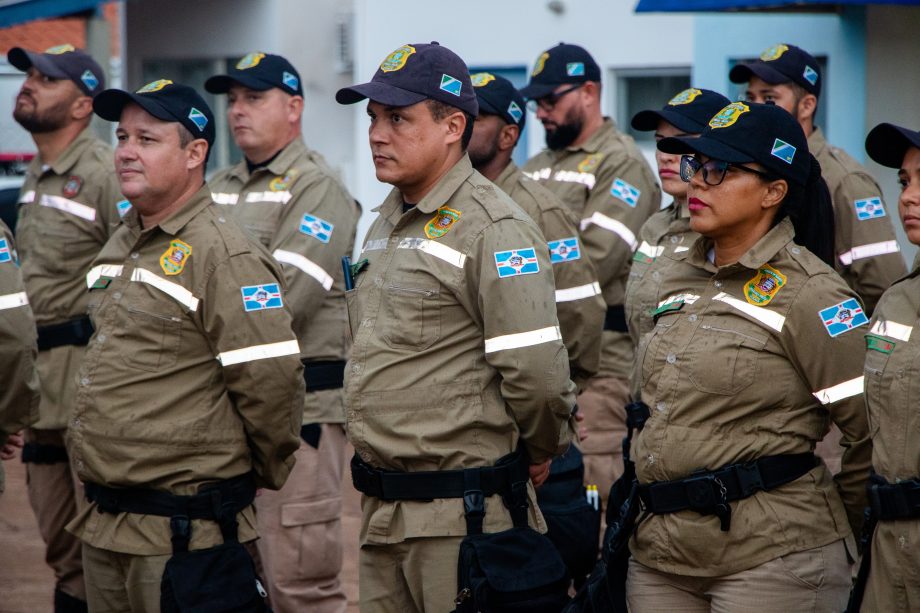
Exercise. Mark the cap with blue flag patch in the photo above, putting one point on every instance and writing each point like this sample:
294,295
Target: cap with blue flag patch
688,111
497,96
258,71
782,63
564,63
62,62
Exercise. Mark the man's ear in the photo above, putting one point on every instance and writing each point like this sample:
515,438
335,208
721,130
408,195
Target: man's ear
807,106
508,136
454,125
81,108
295,108
197,153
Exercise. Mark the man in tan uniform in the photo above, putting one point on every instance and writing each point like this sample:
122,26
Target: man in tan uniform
457,356
191,387
69,206
19,394
579,304
288,200
602,177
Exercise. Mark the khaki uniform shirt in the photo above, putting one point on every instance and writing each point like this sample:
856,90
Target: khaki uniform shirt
67,211
868,256
191,376
892,377
579,304
18,377
746,361
305,218
609,187
457,350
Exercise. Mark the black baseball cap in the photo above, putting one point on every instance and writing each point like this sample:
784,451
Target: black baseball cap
497,96
164,100
417,72
258,71
749,132
62,62
688,111
782,64
887,143
562,64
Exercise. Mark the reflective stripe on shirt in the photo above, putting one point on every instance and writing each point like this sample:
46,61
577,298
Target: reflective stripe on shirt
892,329
577,293
832,394
69,206
612,225
11,301
105,270
173,290
765,316
523,339
259,352
868,251
438,250
311,268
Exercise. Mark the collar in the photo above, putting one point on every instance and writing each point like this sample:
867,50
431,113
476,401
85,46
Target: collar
508,177
816,142
68,158
282,162
596,140
173,225
762,252
391,208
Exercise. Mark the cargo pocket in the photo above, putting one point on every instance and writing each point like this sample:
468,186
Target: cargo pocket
352,308
413,316
874,372
313,544
723,360
154,338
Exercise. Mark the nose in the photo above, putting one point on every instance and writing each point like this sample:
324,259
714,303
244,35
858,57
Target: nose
542,113
376,133
911,194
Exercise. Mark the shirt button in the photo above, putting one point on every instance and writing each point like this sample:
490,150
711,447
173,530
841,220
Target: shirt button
656,275
356,368
135,255
902,541
796,250
674,240
84,381
671,358
117,295
718,284
76,423
692,317
221,220
660,407
366,323
378,281
80,464
100,338
650,458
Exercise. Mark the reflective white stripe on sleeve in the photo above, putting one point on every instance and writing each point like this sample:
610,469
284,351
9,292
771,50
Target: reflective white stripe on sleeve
105,270
570,294
764,316
311,268
892,329
853,387
378,244
173,290
11,301
438,250
69,206
868,251
681,249
650,251
27,197
612,225
523,339
259,352
224,198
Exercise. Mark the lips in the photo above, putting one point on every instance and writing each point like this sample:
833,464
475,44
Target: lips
695,204
664,172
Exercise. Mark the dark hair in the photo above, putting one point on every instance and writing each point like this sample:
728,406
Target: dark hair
799,92
185,138
811,212
440,110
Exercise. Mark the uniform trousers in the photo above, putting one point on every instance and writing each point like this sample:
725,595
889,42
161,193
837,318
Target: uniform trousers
418,575
56,495
120,582
894,577
300,529
815,580
603,403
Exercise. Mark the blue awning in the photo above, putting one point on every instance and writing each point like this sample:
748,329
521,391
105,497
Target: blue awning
13,12
689,6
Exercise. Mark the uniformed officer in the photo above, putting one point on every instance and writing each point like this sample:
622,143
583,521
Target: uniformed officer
891,372
668,230
457,357
868,256
755,344
285,196
192,388
19,391
602,177
69,205
579,304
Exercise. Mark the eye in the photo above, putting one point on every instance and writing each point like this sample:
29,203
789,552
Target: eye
121,138
396,118
903,183
769,98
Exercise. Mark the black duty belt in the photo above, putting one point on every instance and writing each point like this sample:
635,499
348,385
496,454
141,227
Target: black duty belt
615,319
37,453
73,332
213,500
894,500
428,485
709,492
324,374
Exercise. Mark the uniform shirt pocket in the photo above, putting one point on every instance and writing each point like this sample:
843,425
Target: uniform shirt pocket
413,314
876,392
724,360
151,335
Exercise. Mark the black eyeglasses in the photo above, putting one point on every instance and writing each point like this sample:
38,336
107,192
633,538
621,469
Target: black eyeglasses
549,101
713,170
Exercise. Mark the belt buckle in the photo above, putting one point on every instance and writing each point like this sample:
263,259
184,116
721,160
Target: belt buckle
749,478
701,493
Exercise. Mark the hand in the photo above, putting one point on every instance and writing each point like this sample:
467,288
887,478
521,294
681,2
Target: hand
539,472
582,431
14,442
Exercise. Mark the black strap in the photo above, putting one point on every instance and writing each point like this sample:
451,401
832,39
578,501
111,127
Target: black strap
890,501
637,413
854,604
709,492
324,375
37,453
615,319
311,433
74,332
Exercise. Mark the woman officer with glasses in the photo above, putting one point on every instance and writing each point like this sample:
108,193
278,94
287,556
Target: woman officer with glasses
757,344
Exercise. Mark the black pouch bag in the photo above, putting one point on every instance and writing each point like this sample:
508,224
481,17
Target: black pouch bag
516,570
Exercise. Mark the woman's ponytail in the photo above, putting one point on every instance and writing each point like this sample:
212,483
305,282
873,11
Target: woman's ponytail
810,209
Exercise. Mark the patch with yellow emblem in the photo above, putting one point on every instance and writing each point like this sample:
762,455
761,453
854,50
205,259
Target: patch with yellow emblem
764,286
397,59
773,53
280,184
729,115
442,222
154,86
481,79
540,64
59,49
590,163
250,60
173,259
685,97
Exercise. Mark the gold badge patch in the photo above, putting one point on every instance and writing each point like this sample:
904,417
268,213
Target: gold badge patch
590,163
396,60
442,222
173,259
541,62
685,97
773,53
154,86
729,115
481,79
279,184
250,60
59,49
764,286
